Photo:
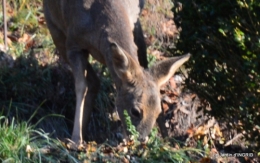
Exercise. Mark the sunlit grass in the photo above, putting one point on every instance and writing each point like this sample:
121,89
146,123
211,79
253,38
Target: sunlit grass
22,142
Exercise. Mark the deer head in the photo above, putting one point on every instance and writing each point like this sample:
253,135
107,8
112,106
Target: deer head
139,93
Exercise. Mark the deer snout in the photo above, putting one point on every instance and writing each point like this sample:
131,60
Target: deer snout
143,140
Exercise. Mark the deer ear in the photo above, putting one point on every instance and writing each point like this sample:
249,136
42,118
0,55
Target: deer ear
120,62
164,70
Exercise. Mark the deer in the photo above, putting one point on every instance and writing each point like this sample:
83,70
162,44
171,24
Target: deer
110,31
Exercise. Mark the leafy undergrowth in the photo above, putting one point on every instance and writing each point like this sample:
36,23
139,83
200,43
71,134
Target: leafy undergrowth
21,142
155,150
34,145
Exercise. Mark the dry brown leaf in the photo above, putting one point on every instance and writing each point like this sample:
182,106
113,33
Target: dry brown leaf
170,23
165,107
217,130
156,53
144,12
190,131
12,38
130,142
205,160
124,150
107,150
41,20
91,147
24,38
205,140
168,28
27,40
213,151
201,131
172,83
29,45
149,40
125,160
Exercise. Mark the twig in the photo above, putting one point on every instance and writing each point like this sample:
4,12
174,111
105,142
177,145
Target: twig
44,150
5,23
231,141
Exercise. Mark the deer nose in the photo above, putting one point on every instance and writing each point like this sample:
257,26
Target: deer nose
143,140
136,113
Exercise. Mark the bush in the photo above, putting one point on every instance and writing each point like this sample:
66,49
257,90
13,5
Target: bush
224,39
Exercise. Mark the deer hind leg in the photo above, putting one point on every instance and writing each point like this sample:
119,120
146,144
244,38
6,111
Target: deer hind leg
58,37
86,87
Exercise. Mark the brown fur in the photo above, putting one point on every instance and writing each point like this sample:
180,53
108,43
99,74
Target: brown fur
110,31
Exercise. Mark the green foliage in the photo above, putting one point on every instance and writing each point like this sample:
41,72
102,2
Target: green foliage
24,14
13,137
159,150
224,40
156,149
26,27
21,142
151,60
130,127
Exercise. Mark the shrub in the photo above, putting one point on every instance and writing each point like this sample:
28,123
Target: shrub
224,40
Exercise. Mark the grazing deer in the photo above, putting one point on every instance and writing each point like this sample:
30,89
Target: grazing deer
110,31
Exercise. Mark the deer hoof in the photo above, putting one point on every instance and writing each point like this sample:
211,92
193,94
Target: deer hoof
71,145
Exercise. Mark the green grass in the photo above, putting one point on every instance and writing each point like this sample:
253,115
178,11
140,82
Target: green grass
22,142
14,137
24,19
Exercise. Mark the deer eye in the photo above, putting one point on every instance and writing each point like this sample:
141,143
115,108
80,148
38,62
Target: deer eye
136,112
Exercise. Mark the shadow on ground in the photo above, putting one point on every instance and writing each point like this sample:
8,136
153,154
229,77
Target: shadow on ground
46,92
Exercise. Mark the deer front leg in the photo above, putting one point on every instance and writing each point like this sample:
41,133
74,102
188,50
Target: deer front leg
86,88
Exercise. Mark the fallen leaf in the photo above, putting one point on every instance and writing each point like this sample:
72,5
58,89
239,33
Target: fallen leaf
165,107
190,131
125,160
205,140
144,12
173,83
12,38
41,20
201,131
205,160
107,150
